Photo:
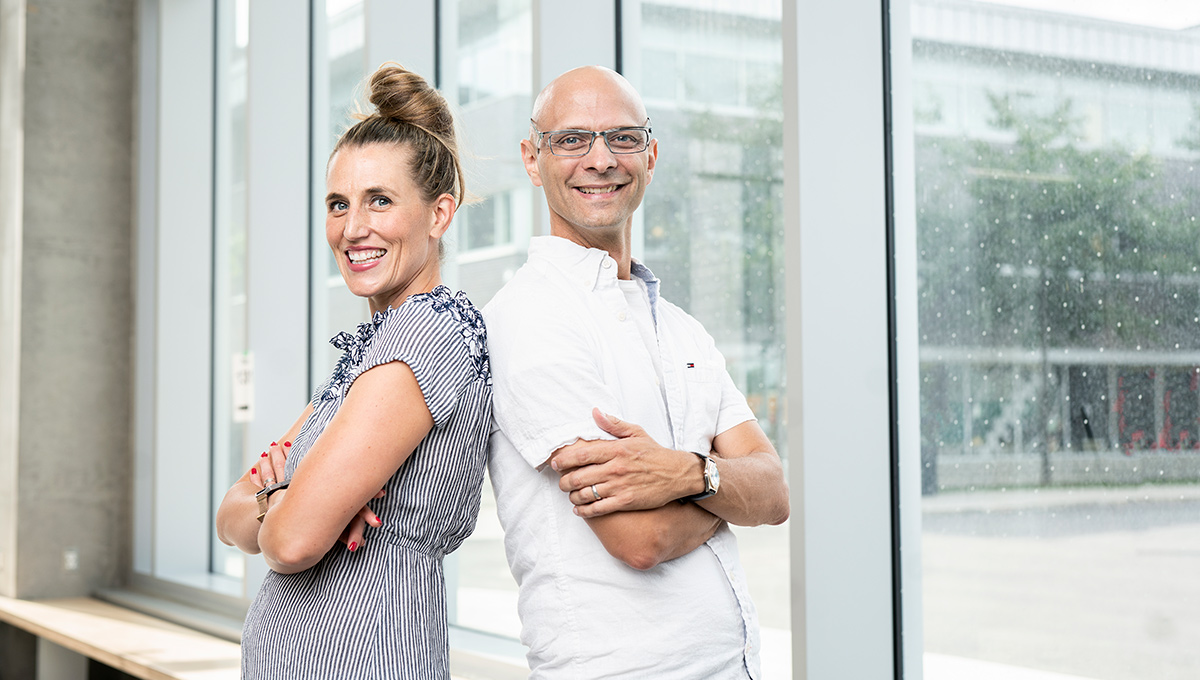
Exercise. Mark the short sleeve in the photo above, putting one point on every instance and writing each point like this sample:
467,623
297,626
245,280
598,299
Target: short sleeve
434,340
734,409
546,375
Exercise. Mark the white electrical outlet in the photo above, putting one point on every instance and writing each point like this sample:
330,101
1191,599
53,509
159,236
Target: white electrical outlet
71,559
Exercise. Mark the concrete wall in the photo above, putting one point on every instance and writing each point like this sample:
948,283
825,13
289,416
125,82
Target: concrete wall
65,392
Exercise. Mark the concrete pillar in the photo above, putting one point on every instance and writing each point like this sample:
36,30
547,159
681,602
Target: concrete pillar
67,75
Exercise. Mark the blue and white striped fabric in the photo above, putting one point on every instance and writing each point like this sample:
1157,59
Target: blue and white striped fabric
380,612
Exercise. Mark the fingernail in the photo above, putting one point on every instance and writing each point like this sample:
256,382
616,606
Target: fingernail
274,444
254,471
287,443
264,454
354,546
554,465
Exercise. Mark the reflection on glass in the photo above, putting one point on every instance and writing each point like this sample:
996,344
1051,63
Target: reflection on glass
338,70
229,279
1059,318
712,227
489,54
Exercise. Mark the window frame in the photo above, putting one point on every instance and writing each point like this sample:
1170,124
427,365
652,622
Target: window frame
849,533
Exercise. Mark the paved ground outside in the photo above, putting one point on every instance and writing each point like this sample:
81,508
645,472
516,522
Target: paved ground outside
1057,584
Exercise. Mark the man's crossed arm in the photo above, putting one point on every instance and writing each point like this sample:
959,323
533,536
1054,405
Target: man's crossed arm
638,481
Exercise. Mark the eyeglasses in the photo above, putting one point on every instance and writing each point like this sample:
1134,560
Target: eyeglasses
579,142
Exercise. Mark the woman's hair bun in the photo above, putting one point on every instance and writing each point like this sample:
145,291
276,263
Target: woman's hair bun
410,113
405,97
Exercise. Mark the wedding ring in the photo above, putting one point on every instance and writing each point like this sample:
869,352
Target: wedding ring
268,481
595,493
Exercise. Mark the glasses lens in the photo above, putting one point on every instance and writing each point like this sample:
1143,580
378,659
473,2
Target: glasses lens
569,142
628,140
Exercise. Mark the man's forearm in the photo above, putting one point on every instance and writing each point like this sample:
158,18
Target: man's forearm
752,491
646,538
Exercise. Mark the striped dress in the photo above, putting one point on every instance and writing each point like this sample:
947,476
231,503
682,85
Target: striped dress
380,612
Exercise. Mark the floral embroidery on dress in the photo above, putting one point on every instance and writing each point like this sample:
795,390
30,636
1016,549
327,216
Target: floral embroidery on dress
354,347
470,325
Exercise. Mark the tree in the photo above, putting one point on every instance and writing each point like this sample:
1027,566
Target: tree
1033,240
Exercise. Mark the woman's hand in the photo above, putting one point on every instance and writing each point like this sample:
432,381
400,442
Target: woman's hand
273,468
273,463
352,535
236,520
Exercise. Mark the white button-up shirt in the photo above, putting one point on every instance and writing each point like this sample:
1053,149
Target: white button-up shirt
562,340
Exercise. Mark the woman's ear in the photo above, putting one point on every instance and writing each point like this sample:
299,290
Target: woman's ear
444,207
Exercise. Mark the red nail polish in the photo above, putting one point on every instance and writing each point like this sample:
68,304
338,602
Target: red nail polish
287,443
264,454
353,546
274,444
254,471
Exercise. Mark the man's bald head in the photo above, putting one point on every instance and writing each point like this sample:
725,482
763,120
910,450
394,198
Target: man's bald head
583,89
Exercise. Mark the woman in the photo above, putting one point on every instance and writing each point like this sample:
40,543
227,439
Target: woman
403,419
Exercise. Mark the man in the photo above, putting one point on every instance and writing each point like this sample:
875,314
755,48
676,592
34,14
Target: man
622,448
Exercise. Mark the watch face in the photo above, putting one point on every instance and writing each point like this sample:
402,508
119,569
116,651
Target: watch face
712,476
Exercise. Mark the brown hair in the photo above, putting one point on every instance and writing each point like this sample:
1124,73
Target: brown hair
411,113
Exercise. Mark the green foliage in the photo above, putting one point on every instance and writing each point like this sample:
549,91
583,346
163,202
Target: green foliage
1033,239
1192,139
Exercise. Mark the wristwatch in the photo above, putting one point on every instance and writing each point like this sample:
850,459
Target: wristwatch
264,493
712,478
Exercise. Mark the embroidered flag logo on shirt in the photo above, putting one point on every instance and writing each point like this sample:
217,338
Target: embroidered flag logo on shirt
691,365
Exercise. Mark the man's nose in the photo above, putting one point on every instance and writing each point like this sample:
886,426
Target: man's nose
600,157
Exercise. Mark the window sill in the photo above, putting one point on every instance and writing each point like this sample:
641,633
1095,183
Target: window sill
129,641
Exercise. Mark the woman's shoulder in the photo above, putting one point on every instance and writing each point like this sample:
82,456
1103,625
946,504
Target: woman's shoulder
439,323
440,311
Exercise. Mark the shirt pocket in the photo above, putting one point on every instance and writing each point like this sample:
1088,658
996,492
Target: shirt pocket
703,398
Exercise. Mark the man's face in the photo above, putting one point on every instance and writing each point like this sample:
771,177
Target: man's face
598,192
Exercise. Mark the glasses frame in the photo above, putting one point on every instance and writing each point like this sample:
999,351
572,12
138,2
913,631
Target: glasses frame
592,139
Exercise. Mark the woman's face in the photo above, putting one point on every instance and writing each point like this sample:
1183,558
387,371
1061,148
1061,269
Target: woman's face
384,236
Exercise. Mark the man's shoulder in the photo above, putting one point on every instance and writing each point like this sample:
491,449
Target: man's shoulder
530,293
670,312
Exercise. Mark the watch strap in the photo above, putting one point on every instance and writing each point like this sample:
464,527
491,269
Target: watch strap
263,496
710,473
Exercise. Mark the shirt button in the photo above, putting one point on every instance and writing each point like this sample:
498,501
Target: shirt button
608,263
620,316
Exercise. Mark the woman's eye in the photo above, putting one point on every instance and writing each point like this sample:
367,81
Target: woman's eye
380,201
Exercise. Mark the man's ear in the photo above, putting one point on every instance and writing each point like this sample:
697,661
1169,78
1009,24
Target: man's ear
651,160
529,156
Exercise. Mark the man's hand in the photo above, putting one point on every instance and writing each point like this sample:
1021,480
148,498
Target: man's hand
632,472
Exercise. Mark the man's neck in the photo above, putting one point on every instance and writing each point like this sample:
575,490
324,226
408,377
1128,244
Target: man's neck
615,242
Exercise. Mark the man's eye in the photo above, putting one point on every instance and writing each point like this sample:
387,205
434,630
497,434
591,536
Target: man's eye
337,206
569,140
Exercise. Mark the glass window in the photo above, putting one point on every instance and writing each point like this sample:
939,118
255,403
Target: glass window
489,55
232,405
339,69
1059,325
713,225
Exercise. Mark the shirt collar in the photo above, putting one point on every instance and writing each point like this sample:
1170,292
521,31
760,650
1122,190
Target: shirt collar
587,266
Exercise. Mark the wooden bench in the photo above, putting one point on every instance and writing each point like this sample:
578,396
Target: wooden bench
131,642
